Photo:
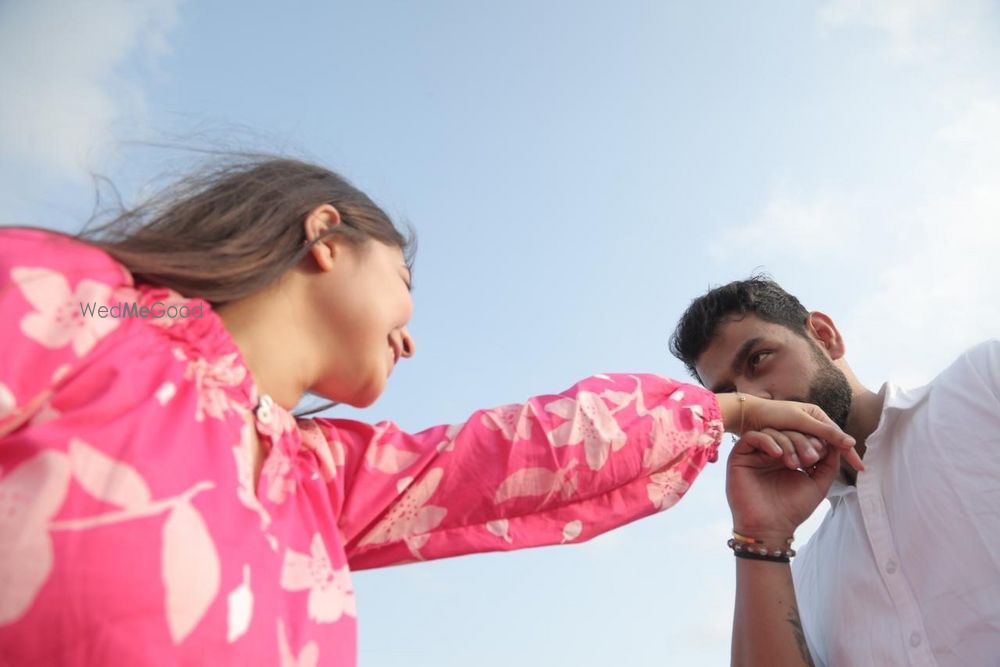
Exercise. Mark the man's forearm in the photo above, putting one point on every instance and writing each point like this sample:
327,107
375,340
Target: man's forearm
767,630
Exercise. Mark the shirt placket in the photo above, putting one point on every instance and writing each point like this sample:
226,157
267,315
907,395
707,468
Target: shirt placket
888,562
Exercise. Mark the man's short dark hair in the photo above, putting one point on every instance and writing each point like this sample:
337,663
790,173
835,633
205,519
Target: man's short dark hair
757,295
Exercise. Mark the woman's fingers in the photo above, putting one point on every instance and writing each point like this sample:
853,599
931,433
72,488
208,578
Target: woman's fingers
768,416
825,428
791,416
840,440
853,458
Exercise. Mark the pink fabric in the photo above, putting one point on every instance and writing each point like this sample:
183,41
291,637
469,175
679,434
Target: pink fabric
130,528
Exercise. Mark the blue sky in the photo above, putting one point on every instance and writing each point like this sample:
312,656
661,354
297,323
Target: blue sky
576,173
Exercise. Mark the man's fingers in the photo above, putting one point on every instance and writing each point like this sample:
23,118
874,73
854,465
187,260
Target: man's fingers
796,450
808,448
762,442
790,456
827,469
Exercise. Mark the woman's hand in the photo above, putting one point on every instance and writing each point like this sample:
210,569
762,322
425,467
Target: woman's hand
769,425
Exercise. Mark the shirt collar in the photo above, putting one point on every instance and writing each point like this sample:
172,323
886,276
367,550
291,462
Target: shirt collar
895,399
840,488
898,398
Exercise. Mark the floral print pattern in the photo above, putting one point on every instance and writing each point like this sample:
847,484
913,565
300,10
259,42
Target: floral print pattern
330,592
588,421
213,380
58,317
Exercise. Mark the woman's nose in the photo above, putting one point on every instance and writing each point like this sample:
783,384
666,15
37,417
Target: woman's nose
409,348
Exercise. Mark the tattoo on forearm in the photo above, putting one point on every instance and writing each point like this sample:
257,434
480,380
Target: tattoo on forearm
800,636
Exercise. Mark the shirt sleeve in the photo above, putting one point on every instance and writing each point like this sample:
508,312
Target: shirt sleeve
973,381
556,469
985,359
50,288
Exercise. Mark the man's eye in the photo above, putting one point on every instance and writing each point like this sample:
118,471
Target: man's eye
757,358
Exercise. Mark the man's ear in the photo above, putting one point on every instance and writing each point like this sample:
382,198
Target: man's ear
317,223
822,329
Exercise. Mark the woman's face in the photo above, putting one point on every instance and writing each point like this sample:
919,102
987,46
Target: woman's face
365,305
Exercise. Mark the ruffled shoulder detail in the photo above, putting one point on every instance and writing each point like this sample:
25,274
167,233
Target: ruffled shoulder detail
72,257
61,298
49,266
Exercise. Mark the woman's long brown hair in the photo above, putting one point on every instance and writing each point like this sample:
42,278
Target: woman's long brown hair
232,229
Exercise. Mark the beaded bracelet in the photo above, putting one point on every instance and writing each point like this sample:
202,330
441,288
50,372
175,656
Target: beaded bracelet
770,559
744,546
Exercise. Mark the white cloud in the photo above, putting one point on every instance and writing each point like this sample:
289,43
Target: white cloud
806,229
62,80
917,30
920,249
939,293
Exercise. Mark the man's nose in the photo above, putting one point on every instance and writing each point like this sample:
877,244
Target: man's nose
409,348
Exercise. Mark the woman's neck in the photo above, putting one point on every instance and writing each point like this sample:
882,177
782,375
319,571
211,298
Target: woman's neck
274,350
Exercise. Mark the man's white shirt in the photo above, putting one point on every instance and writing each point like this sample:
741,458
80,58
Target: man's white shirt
905,568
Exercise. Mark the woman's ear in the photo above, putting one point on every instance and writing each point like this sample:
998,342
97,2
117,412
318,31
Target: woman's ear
318,222
826,334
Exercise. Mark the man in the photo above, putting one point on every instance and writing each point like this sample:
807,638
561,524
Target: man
905,568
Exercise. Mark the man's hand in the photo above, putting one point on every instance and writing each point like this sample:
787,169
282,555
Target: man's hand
768,500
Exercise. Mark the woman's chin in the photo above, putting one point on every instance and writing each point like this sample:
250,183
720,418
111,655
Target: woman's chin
362,398
367,396
363,403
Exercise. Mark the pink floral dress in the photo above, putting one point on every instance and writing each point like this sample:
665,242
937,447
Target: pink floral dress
131,530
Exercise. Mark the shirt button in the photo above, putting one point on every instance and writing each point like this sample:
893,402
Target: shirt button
890,566
263,411
915,639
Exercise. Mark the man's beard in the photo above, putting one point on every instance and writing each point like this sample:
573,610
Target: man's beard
830,390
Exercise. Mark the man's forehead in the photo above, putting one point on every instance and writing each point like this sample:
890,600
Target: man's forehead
734,331
730,337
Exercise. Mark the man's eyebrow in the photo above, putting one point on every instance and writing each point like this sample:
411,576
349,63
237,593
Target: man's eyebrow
739,359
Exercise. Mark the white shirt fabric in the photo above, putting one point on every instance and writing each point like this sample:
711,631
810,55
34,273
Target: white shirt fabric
905,568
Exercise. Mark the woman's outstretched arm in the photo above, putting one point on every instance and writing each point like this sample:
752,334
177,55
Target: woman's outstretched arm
558,468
